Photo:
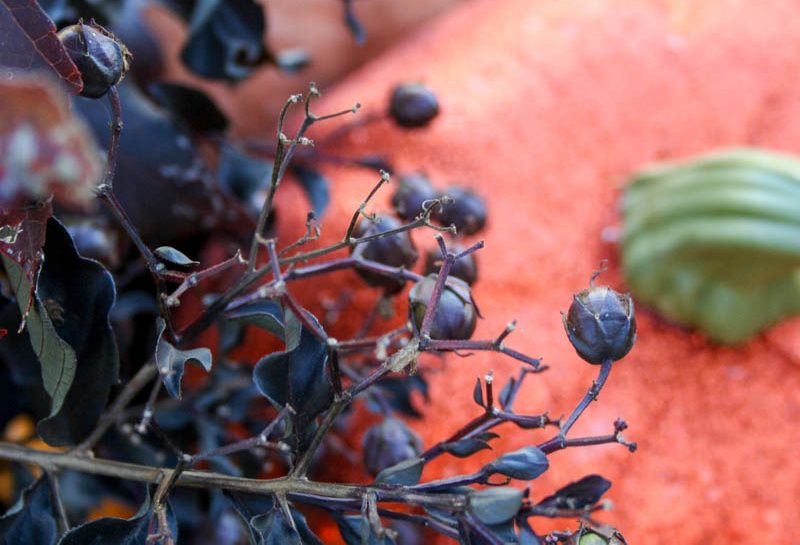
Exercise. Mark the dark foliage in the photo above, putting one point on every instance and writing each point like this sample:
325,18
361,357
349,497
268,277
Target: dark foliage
183,262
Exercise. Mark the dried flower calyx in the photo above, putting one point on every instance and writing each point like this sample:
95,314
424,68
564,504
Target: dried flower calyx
600,534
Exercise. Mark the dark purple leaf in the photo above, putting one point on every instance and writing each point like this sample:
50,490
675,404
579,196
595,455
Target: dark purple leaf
353,24
470,445
226,38
77,295
524,464
115,531
495,505
398,392
241,174
171,361
577,495
297,377
268,525
356,530
266,315
30,520
405,473
28,41
190,107
477,393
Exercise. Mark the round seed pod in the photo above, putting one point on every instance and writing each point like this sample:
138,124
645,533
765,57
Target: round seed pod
600,324
455,317
101,58
467,211
411,193
396,250
413,105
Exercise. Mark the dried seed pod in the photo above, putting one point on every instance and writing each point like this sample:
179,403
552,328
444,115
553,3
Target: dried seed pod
101,58
413,105
455,317
600,324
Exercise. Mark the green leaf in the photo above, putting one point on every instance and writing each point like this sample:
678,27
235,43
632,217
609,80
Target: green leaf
55,355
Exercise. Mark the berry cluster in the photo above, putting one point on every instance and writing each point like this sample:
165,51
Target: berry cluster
457,209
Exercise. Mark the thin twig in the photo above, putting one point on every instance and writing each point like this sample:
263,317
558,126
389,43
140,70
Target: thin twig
591,395
210,480
59,512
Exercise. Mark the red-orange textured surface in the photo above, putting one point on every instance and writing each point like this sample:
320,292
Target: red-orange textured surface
547,106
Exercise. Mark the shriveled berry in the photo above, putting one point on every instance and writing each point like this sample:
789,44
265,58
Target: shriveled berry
412,191
467,211
389,443
101,58
465,268
395,250
455,317
600,324
413,105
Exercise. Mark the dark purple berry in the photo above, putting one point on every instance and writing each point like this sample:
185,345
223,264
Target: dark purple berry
395,250
389,443
455,317
100,57
465,268
413,190
413,105
467,211
600,324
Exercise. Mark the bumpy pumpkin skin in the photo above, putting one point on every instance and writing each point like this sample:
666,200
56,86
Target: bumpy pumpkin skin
547,117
